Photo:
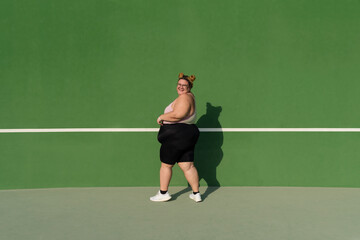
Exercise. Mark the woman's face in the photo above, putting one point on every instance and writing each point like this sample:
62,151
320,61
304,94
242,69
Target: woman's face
183,87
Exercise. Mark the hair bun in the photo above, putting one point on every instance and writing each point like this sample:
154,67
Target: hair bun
181,75
192,78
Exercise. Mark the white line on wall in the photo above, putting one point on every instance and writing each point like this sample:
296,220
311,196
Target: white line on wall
54,130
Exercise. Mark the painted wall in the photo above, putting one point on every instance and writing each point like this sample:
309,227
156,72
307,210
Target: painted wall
114,64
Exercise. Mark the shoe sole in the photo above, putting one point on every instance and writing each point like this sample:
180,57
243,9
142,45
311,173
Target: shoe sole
161,200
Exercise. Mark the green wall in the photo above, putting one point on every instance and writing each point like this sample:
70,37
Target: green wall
114,63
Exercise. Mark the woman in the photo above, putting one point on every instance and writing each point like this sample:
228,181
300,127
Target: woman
178,135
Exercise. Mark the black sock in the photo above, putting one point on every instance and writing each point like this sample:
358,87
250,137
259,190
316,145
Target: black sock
163,192
195,193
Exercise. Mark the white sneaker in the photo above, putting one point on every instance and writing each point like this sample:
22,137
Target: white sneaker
161,197
195,197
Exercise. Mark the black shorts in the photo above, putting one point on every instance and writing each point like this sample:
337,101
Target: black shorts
177,142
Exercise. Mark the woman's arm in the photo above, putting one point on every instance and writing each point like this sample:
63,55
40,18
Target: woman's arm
181,109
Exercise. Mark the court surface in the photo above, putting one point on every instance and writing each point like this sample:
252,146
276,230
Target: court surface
226,213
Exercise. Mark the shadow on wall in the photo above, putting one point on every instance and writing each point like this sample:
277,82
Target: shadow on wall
208,152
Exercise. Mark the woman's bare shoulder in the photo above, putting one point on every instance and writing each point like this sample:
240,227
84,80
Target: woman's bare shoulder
185,97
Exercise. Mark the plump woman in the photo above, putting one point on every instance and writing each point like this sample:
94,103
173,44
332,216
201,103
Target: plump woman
178,135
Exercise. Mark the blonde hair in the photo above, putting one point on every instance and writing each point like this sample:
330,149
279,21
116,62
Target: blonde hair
190,79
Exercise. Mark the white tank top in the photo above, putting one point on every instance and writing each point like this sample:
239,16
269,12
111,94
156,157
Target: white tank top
188,120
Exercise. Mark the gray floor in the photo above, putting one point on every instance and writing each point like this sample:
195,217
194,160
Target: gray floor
226,213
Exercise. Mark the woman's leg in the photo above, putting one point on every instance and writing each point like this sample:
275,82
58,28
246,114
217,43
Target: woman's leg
165,176
191,174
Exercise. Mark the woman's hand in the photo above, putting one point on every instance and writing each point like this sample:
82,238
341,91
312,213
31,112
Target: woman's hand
159,121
